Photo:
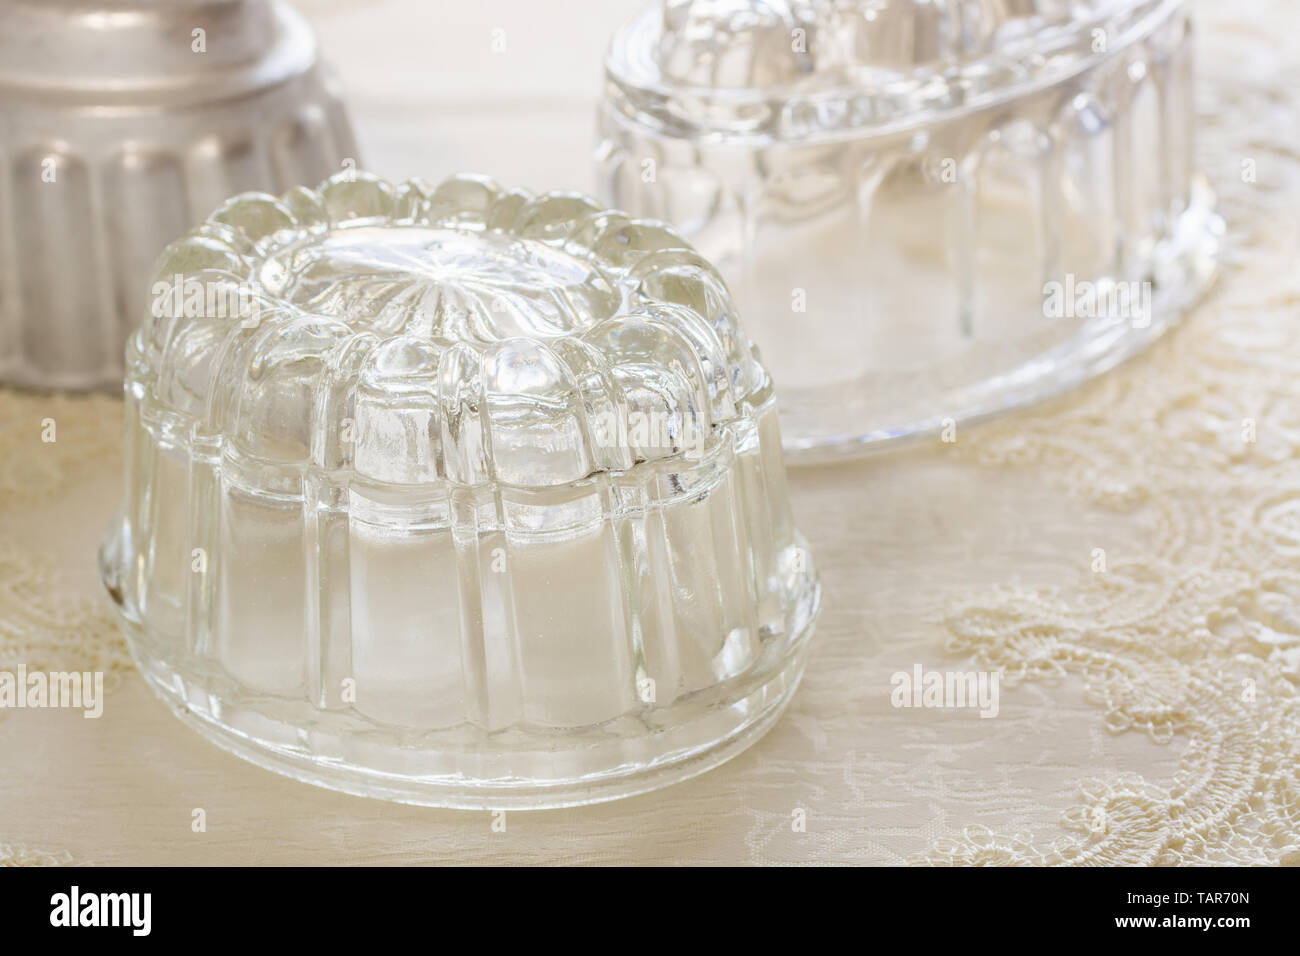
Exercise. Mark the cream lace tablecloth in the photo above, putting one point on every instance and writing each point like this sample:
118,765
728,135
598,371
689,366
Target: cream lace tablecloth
1149,711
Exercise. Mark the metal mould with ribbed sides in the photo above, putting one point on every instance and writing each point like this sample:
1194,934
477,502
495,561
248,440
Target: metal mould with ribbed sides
929,211
456,496
122,124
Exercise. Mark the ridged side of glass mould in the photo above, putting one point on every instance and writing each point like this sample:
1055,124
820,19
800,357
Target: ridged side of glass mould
465,497
894,190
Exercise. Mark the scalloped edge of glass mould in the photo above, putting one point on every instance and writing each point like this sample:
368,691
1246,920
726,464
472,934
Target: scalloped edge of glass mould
909,102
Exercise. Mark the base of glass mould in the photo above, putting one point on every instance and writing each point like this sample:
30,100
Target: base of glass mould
339,751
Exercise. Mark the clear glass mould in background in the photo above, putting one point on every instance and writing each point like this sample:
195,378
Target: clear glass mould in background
122,124
928,210
456,496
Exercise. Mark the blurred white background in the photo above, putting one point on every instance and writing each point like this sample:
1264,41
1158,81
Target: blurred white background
507,88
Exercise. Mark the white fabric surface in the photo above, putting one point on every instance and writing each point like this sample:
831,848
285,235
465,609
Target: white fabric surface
1127,738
